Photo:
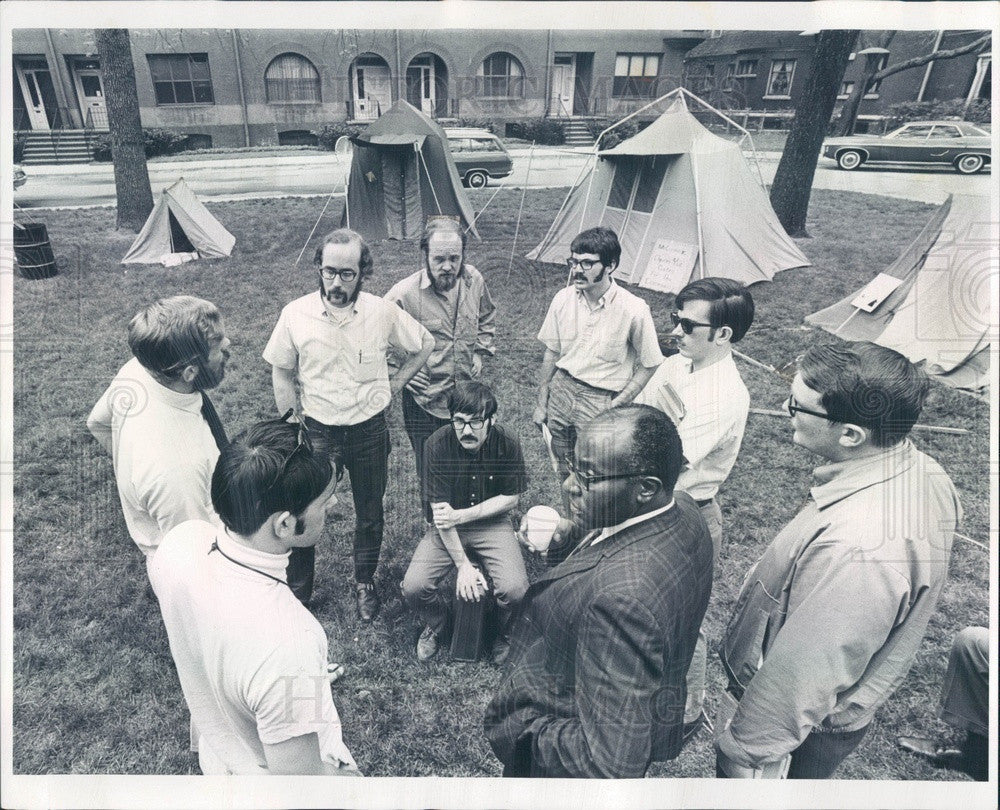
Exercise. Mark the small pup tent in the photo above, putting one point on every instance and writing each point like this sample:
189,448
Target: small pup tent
179,223
402,172
933,303
684,205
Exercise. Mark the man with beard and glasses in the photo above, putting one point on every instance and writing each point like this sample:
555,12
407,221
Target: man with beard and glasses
336,342
600,343
474,476
449,297
157,420
603,641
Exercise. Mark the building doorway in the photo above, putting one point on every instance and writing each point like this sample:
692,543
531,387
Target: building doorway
89,85
563,85
371,87
40,104
427,85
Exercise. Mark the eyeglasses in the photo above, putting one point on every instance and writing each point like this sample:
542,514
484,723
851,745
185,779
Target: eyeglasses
686,324
345,273
461,424
584,264
587,480
794,408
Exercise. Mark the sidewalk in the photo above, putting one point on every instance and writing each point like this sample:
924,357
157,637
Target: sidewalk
274,161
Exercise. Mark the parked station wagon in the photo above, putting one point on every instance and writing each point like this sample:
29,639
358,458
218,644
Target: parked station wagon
478,155
960,144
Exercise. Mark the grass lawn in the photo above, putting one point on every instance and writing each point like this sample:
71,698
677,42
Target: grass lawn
95,690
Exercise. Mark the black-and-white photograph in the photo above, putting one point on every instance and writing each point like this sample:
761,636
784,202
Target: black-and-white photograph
499,391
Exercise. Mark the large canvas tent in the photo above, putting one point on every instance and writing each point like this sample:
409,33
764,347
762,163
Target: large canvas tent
402,172
179,223
684,204
934,307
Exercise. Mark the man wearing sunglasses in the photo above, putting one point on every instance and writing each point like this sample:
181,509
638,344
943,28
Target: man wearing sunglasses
252,661
336,343
450,298
702,392
832,615
474,474
600,343
603,640
157,420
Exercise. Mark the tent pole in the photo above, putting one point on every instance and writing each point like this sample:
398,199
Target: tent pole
728,120
429,181
316,224
697,214
520,209
347,204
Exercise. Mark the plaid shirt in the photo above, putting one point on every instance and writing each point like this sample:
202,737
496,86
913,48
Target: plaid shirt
600,649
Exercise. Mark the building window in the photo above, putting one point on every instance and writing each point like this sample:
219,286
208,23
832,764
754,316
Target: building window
635,75
181,78
746,69
846,88
291,78
876,61
500,76
780,81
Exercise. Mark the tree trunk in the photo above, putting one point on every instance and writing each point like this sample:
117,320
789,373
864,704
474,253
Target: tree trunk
793,181
134,195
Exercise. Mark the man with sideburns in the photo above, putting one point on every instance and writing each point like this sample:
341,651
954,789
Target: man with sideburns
336,343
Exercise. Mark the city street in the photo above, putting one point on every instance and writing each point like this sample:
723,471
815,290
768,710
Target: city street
545,167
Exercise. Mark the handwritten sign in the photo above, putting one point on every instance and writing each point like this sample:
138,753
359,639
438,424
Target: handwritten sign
875,292
669,266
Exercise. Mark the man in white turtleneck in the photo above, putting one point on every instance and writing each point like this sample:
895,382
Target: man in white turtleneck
252,660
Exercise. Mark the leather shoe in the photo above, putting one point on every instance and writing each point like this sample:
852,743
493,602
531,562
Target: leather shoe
693,727
427,645
368,603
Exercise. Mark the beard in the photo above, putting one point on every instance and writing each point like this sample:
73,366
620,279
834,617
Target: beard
337,297
443,284
208,376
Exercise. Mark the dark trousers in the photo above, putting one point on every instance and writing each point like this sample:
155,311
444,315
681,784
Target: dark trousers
364,450
419,426
822,752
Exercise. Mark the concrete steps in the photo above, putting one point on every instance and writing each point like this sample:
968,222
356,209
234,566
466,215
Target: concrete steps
59,146
577,133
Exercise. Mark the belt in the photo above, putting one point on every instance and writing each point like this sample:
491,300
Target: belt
588,385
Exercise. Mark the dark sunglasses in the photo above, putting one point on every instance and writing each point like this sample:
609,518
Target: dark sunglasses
586,480
345,273
686,324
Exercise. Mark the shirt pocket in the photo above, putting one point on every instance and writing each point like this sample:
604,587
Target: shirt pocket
612,349
371,364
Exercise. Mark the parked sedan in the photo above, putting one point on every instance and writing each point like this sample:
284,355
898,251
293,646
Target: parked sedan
954,143
479,156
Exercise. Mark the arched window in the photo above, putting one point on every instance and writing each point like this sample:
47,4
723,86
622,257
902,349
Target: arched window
500,76
290,78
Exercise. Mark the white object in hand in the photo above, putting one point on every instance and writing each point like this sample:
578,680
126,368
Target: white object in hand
540,523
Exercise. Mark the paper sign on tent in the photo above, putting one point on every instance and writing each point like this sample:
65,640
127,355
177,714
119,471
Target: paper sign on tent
875,292
669,266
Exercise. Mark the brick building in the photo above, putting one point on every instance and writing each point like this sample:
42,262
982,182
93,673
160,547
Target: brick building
225,87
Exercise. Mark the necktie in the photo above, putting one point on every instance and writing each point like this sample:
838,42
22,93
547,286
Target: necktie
214,423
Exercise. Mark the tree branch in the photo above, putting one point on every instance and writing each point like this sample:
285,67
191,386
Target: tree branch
917,61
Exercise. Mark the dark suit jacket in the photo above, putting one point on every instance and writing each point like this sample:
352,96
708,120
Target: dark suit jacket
595,684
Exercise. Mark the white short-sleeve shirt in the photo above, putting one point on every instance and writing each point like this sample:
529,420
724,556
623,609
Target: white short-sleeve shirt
341,361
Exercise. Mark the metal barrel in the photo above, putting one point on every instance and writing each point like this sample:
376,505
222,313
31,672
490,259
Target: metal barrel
33,252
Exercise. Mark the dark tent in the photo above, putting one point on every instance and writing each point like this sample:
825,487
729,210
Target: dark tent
402,172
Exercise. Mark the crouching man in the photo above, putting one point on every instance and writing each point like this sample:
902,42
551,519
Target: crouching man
252,660
473,475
